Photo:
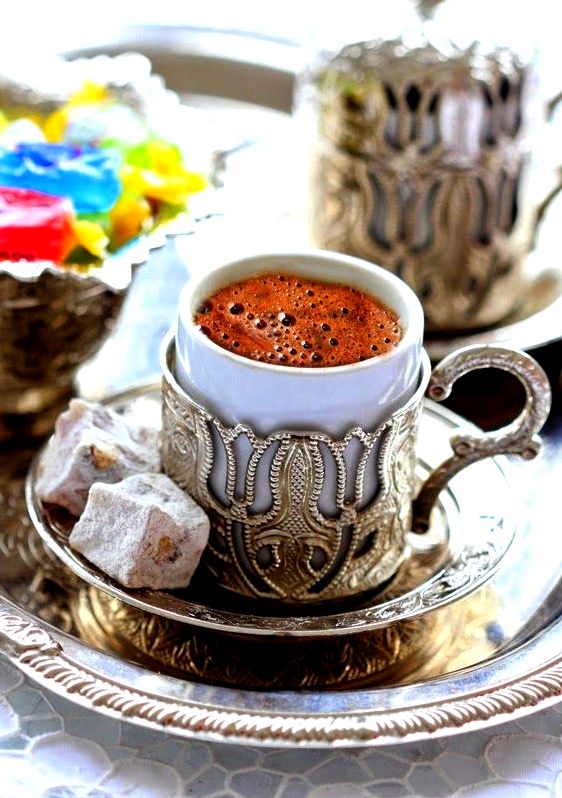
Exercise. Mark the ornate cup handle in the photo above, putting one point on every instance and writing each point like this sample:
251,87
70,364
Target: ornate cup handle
519,437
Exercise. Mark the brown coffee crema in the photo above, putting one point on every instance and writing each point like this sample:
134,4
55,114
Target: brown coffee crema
288,320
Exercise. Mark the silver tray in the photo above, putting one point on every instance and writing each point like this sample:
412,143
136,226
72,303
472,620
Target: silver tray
499,657
507,661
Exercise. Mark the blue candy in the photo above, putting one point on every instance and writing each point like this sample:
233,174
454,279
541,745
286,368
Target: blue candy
86,175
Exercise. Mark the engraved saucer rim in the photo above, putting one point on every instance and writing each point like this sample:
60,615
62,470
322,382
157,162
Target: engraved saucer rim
307,626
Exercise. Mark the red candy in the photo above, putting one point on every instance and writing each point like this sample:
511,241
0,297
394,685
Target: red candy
35,226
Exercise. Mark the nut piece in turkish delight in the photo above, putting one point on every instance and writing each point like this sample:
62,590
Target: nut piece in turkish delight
92,443
143,532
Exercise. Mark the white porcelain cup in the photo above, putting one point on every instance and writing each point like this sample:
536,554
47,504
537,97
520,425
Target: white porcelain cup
271,397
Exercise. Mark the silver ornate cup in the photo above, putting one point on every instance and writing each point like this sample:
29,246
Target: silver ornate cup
420,163
292,552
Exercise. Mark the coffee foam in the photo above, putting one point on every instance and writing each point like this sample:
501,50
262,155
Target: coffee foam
285,319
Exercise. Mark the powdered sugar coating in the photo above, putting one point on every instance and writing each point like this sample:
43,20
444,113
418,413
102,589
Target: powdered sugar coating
143,531
92,443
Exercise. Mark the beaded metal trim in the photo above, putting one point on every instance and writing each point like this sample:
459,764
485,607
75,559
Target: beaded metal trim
292,551
418,165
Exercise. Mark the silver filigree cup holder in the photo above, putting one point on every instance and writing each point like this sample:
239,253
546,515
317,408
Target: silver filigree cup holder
420,163
294,516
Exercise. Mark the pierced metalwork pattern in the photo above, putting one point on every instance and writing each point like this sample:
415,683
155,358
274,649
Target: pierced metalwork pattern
293,551
419,166
443,567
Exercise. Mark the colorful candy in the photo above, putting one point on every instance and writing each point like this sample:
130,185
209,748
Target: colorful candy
87,176
91,237
34,226
130,216
118,179
155,170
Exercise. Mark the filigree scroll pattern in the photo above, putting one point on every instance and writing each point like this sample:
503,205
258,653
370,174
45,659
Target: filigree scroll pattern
397,650
418,168
292,550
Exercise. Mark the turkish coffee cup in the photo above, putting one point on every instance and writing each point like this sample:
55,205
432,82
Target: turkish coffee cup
309,474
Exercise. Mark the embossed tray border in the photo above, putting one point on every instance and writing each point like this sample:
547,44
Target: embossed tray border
44,659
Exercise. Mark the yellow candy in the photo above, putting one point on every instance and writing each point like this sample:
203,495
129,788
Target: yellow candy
155,170
90,92
129,217
3,122
172,188
92,237
164,158
55,125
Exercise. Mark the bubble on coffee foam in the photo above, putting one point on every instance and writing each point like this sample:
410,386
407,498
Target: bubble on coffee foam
254,317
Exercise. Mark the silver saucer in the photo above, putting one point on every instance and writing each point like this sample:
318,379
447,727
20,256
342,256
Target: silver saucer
461,552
